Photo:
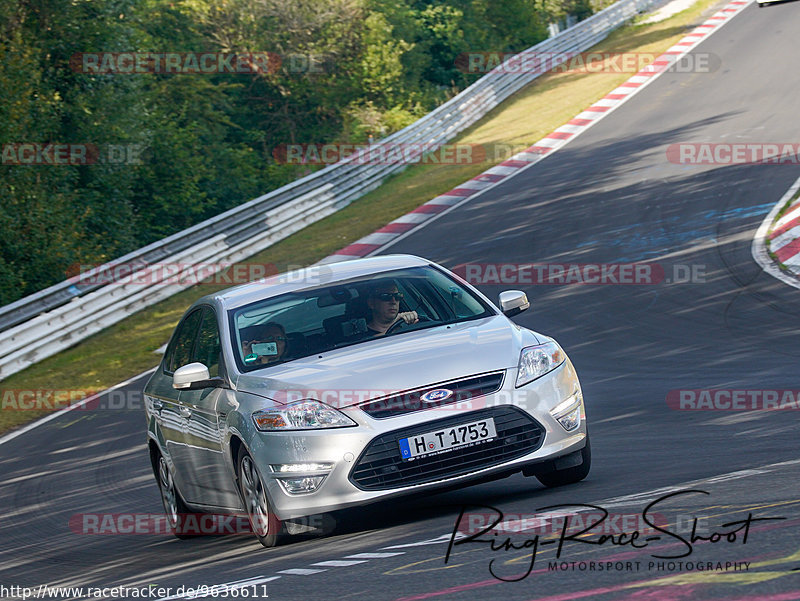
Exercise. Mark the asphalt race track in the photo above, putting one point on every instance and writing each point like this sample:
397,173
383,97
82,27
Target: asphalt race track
610,196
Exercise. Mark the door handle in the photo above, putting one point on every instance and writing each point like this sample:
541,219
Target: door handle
185,412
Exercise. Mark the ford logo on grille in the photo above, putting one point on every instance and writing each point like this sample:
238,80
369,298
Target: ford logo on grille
439,394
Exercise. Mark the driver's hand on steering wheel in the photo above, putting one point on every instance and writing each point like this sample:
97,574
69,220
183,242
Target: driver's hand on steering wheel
408,316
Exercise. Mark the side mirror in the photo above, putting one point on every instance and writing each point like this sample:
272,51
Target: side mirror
194,376
513,302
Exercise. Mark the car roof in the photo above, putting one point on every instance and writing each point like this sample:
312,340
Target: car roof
310,277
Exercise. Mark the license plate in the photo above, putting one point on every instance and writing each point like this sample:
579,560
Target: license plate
447,438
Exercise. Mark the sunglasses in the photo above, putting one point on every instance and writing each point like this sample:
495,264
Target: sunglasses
387,296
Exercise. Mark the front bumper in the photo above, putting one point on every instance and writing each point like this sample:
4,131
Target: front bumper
533,436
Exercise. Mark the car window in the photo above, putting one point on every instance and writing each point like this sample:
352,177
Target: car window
180,349
459,303
207,348
300,324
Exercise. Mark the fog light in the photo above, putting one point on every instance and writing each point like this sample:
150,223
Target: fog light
568,412
296,486
571,420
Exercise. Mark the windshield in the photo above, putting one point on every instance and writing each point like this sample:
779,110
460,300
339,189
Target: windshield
300,324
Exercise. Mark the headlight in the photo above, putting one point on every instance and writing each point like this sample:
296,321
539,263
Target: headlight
536,361
303,415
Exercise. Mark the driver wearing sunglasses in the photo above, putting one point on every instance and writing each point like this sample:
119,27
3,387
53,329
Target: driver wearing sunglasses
384,305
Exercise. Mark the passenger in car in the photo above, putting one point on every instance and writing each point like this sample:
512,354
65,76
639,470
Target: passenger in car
384,306
266,343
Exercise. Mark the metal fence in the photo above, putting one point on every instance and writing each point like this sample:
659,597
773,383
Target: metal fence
72,310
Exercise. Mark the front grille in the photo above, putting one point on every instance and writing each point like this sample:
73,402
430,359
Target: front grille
464,390
380,467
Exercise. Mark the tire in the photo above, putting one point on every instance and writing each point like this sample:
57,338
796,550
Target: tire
266,526
174,507
570,475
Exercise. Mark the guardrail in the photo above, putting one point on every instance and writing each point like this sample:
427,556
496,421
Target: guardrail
72,310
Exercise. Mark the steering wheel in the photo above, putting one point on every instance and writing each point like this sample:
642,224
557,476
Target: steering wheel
397,324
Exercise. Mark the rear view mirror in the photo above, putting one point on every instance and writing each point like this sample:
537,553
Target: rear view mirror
194,376
513,302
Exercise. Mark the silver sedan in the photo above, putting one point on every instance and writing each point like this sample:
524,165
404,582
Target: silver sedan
338,385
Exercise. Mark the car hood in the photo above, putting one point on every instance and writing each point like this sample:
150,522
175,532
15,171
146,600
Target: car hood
377,368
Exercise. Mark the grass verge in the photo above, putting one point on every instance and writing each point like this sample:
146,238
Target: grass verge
127,348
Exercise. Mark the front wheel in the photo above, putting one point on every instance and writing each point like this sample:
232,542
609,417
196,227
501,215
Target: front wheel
266,526
570,475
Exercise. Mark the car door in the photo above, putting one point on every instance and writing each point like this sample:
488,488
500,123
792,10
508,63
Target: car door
171,418
212,477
